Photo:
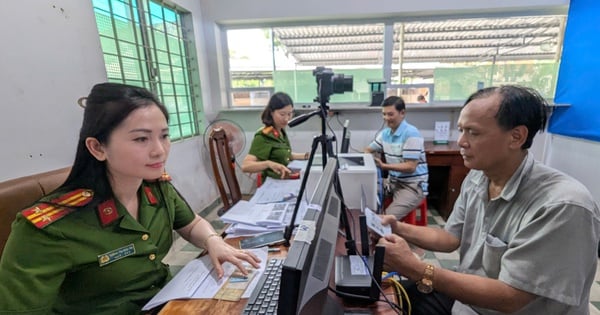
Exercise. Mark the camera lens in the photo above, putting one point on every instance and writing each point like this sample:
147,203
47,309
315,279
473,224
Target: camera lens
342,83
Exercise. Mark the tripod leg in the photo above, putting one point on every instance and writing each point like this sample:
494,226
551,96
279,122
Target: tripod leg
290,228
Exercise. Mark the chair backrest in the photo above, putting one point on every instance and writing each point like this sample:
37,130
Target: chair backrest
223,162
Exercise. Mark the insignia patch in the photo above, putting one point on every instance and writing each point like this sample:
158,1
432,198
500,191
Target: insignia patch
107,212
114,255
151,199
270,129
43,214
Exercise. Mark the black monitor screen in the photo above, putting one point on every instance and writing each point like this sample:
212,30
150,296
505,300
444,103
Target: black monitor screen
307,268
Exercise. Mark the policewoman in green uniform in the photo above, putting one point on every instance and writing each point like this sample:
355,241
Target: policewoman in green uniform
271,152
95,245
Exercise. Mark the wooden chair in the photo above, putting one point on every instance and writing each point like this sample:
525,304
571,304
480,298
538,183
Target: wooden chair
223,165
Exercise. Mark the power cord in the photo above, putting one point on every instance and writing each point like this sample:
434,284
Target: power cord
401,293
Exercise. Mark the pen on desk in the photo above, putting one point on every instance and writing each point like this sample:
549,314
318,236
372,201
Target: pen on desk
274,249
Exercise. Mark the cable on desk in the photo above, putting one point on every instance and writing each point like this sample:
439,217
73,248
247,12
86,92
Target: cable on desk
394,306
401,293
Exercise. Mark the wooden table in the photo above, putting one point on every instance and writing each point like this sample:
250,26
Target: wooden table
446,174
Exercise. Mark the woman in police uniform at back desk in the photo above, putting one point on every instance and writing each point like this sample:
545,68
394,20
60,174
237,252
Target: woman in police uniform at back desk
95,245
271,151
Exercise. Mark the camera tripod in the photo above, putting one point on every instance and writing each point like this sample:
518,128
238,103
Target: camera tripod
327,150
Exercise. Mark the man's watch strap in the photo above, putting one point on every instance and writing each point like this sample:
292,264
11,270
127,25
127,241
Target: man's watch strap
425,285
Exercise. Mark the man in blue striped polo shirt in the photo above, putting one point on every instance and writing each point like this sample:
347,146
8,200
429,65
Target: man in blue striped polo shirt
403,158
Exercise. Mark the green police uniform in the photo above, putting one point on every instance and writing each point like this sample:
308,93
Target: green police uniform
269,144
68,255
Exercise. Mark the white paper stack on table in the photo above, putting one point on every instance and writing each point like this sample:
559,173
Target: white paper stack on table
270,209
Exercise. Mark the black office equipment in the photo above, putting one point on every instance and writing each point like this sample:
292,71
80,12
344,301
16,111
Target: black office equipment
306,270
263,298
363,287
345,138
364,237
377,94
327,84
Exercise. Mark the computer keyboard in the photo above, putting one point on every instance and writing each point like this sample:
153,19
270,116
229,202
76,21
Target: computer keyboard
265,296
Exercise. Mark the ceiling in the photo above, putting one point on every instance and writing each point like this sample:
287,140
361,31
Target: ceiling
446,41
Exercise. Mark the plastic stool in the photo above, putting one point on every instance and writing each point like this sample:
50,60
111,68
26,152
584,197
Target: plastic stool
411,218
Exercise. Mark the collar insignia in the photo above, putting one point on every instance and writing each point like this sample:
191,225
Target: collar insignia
107,212
151,199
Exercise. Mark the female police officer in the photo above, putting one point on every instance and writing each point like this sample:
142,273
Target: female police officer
271,151
95,245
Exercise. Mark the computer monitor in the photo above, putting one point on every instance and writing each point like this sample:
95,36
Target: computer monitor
307,268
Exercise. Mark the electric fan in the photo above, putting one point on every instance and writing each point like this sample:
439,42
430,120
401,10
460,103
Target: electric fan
235,135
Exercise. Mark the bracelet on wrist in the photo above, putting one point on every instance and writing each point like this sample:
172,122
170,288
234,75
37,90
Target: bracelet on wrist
205,243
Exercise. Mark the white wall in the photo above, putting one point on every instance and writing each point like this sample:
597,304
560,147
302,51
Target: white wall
243,12
578,158
50,57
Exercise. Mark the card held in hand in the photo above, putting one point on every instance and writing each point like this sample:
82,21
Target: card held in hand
374,223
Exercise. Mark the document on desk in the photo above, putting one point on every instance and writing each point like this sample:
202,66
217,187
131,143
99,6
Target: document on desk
198,280
270,214
276,190
261,223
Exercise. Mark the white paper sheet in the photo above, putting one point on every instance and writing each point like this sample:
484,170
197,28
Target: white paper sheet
276,190
198,280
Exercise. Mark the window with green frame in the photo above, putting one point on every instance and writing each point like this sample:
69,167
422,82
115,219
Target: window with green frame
144,44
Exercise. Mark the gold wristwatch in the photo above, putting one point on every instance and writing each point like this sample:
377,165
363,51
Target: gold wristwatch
425,285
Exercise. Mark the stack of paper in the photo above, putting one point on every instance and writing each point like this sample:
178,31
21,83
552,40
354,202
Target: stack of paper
276,190
247,218
270,209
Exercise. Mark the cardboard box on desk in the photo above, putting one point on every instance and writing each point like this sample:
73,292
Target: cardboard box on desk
356,169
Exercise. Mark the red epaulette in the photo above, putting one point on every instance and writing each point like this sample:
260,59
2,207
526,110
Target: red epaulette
270,129
43,214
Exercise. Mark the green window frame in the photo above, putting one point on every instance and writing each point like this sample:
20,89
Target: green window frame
145,43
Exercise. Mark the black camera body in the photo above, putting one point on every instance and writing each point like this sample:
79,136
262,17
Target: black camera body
329,83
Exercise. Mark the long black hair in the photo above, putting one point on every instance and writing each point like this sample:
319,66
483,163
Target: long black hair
107,105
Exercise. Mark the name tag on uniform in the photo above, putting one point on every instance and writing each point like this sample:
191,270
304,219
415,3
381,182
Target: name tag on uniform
114,255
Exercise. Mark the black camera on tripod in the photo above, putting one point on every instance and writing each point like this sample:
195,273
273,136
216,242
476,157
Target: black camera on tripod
329,83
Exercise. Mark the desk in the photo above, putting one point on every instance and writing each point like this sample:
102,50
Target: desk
446,173
210,306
